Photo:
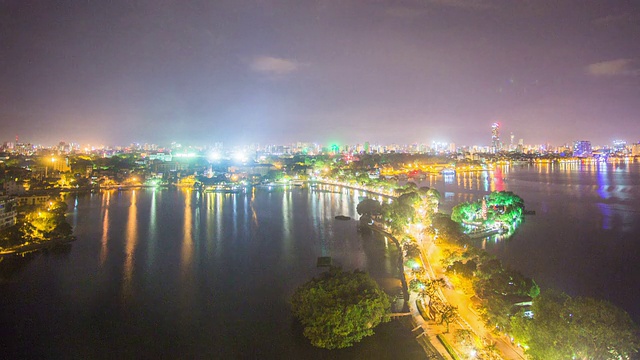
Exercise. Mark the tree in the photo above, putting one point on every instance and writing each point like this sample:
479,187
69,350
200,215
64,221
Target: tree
602,330
46,223
576,328
369,207
434,194
416,285
398,215
430,288
448,314
340,308
409,198
463,212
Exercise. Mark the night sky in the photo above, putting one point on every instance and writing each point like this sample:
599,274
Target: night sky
348,71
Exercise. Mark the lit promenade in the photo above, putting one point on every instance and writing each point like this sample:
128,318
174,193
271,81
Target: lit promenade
468,318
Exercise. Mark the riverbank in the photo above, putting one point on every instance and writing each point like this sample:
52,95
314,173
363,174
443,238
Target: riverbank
34,246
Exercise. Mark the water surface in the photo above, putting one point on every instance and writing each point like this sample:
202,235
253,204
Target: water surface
181,274
584,238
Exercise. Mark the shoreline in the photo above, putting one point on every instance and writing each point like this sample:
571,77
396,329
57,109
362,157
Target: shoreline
29,247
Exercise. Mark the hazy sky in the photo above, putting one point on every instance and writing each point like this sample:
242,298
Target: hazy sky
115,72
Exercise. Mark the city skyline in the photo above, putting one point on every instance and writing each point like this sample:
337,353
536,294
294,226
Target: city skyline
244,72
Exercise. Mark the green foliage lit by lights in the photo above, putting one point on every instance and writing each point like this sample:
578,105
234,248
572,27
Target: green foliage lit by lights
340,308
563,327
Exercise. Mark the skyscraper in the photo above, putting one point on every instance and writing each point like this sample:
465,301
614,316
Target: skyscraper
495,137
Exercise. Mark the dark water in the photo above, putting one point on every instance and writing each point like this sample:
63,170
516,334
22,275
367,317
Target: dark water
179,274
585,236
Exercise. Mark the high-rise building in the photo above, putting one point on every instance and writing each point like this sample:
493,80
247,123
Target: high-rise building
495,137
582,148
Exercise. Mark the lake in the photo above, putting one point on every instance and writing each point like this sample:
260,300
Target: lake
184,274
181,274
584,238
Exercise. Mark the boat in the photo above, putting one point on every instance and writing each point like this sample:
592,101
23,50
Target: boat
448,172
342,217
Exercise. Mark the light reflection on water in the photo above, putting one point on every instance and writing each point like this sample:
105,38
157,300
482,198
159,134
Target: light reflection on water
177,273
131,239
153,231
105,227
204,291
187,235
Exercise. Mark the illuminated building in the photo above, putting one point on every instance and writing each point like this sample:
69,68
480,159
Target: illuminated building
582,148
495,137
7,212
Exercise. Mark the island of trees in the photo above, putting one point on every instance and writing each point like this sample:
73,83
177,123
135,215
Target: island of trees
497,212
339,308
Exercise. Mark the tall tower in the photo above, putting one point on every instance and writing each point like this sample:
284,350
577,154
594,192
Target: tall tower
495,137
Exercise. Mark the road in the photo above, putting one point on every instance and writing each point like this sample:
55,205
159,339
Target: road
469,318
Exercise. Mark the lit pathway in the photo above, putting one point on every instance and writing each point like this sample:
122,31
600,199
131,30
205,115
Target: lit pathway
430,329
469,319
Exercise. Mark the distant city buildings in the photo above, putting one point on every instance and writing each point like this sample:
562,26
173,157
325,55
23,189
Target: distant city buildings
620,147
55,159
582,148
